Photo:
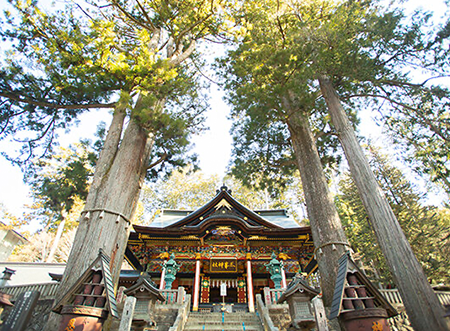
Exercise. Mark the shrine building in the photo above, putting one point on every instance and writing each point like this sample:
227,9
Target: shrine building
222,242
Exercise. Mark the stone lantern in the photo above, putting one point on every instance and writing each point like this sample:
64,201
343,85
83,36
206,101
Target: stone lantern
172,268
275,268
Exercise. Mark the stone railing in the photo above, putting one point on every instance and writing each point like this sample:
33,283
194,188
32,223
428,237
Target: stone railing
264,315
47,290
183,314
272,295
171,296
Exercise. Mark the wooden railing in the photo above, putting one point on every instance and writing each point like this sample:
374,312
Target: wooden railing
444,297
47,290
393,296
272,295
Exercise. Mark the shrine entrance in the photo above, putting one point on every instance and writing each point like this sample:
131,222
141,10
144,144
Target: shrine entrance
210,292
221,242
215,297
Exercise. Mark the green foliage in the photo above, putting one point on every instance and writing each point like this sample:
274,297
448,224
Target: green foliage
268,79
426,227
85,55
372,53
58,181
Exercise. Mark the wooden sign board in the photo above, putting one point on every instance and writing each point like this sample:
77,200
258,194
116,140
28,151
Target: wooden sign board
219,265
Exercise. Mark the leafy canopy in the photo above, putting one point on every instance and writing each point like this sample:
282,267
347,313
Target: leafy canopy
102,55
372,54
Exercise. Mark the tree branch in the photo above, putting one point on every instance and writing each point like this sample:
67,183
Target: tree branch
431,126
184,55
144,12
30,101
160,160
131,17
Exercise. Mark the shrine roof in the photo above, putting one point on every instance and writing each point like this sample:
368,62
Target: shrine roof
277,217
222,210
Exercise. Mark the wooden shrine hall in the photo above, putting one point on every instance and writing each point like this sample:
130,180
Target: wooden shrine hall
222,242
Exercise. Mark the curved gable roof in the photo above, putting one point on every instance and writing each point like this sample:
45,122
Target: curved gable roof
230,208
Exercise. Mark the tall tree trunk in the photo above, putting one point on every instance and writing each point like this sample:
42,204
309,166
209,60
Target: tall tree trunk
110,204
328,234
421,303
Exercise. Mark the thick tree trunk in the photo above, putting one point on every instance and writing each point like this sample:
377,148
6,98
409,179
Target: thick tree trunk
110,204
329,237
421,303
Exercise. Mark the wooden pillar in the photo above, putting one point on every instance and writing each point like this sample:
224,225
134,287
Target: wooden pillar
251,300
196,283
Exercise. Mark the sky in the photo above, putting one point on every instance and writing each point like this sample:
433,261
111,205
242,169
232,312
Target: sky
213,146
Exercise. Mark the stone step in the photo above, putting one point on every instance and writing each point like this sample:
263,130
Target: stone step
224,322
232,322
226,318
222,328
219,315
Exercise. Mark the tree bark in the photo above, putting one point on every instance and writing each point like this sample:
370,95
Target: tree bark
328,234
421,303
110,204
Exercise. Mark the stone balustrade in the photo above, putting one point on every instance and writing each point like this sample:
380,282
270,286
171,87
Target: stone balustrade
264,315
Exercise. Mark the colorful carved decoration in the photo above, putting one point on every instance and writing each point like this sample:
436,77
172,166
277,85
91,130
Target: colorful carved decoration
205,286
241,290
147,254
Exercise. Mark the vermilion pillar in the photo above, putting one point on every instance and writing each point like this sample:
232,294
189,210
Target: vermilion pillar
196,283
251,302
283,278
161,283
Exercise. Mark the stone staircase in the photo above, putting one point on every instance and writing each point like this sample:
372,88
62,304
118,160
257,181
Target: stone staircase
165,318
231,322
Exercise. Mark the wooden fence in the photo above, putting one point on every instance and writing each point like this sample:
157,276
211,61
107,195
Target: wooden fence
47,290
393,296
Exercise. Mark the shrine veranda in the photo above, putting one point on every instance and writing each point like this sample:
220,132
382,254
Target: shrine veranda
221,242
